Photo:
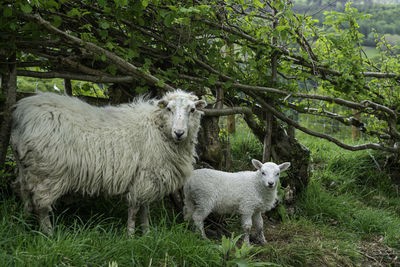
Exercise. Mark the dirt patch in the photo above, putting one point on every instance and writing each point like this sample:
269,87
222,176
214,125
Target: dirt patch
376,253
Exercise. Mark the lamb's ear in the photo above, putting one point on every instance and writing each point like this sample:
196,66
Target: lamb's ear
257,164
284,166
162,103
200,104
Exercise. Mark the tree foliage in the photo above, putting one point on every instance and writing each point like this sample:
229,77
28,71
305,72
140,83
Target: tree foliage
265,57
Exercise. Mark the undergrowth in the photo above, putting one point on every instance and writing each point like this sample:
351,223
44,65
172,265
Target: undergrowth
349,214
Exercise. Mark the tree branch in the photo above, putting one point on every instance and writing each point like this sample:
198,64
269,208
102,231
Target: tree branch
111,57
75,76
282,117
248,88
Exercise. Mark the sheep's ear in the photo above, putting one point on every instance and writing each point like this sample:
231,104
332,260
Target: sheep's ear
200,104
257,164
284,166
162,103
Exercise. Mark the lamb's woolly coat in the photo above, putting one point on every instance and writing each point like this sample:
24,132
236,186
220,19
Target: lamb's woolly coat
64,145
245,193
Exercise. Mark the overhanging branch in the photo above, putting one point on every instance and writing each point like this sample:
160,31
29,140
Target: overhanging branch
289,121
75,76
250,88
111,57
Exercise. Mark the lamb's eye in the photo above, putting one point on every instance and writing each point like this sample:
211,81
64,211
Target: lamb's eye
168,108
192,110
263,173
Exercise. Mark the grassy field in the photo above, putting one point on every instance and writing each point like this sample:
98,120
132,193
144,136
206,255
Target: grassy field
349,215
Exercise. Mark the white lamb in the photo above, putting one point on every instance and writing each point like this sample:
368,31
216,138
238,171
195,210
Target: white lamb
247,193
142,151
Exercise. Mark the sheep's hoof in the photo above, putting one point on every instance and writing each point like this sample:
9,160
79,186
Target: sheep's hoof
131,232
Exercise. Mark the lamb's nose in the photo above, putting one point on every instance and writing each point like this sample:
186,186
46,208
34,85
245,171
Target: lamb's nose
179,133
270,184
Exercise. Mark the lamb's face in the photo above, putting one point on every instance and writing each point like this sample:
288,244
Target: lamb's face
180,107
269,172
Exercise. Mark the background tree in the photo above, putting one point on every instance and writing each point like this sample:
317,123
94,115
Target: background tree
260,54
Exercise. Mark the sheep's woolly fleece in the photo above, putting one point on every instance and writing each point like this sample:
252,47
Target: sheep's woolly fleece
63,145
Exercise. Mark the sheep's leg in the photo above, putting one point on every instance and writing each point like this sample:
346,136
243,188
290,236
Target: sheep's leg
246,225
258,225
42,208
198,217
43,197
132,211
20,187
144,217
44,220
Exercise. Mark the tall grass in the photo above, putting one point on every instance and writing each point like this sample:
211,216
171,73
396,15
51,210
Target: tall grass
99,241
349,201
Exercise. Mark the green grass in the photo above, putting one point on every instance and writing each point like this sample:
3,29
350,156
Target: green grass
348,215
371,52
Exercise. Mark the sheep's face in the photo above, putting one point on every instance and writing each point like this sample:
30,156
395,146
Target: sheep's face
180,107
269,172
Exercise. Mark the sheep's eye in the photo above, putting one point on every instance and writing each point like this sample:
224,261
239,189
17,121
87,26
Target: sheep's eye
168,108
192,110
263,173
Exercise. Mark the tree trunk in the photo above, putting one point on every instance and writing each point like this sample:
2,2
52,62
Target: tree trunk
267,138
285,148
9,89
231,124
355,132
209,147
68,87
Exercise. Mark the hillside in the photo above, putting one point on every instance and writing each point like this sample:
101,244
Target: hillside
382,17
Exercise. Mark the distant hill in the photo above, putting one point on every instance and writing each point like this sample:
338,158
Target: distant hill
384,15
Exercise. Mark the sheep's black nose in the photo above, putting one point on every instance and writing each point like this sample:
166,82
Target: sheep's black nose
270,184
179,133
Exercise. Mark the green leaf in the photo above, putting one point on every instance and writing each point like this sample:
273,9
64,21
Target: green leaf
104,25
212,80
160,83
132,54
141,90
7,11
112,69
145,3
168,19
56,21
121,3
110,46
74,12
26,8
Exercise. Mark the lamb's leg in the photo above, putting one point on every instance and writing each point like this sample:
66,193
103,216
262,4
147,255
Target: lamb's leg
258,225
246,225
198,217
144,217
132,211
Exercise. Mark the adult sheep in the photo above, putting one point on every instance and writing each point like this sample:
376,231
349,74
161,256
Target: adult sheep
142,151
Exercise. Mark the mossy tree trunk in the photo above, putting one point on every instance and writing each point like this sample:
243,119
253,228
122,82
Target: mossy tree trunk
9,90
